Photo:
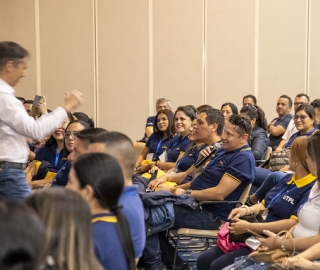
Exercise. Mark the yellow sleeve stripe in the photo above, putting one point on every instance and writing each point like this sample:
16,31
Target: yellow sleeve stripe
112,219
181,153
233,178
294,217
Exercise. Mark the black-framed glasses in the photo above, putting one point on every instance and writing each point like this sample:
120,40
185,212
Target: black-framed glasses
69,134
300,116
236,120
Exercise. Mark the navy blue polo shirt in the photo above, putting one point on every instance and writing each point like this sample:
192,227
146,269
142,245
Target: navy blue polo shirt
284,200
178,145
284,122
150,121
238,165
62,177
49,153
157,146
189,158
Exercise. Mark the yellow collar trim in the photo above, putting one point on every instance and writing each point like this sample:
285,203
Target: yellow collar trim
302,181
112,219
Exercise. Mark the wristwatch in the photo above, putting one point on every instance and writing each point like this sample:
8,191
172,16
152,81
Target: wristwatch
188,191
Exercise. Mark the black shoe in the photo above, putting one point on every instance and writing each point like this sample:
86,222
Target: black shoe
183,266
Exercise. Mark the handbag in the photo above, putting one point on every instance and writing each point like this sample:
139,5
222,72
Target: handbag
252,218
279,159
223,241
274,256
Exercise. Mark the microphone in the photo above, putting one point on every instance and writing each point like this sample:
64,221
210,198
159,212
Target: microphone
215,148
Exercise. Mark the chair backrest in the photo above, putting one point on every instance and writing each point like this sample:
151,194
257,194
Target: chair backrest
245,194
138,147
268,153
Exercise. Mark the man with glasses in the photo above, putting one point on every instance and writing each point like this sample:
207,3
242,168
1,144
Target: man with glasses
300,99
224,178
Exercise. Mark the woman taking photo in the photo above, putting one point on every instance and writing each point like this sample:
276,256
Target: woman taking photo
98,178
158,142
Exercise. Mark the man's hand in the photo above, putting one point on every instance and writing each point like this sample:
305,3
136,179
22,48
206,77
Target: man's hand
73,100
179,191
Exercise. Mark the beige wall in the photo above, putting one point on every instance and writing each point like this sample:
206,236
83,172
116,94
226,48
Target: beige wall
125,54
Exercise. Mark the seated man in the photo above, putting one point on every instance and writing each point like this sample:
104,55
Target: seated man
224,178
249,100
161,104
316,105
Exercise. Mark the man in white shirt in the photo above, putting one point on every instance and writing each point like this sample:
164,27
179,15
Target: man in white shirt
16,124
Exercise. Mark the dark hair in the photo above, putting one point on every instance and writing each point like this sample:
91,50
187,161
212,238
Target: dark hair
252,97
29,101
86,135
308,109
120,147
192,107
11,51
288,98
233,107
188,111
52,140
242,123
84,118
103,173
313,147
255,112
203,107
67,218
303,95
315,103
22,99
22,237
214,116
171,129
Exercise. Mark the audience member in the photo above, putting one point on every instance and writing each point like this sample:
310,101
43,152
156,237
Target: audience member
84,118
121,148
28,106
158,142
316,105
67,219
22,237
98,178
278,125
161,104
16,125
22,99
259,140
249,100
300,99
228,109
224,178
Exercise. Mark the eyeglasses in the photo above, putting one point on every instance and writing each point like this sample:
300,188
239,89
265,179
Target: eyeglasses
237,120
69,134
299,103
300,116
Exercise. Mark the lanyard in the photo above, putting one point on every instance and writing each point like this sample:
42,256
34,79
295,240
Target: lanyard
54,178
56,160
278,194
159,144
309,200
289,142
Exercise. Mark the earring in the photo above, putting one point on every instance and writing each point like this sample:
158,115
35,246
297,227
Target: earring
294,163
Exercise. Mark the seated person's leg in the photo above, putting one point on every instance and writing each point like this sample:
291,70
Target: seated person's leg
260,175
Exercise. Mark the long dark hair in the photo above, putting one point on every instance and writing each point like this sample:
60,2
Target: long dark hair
171,129
254,111
103,173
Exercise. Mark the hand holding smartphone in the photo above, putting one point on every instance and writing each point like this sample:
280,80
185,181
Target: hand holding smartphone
35,107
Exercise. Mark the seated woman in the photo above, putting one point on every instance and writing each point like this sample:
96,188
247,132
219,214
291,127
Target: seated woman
183,118
84,118
53,152
228,109
259,140
282,209
98,178
304,119
61,178
306,232
158,142
67,220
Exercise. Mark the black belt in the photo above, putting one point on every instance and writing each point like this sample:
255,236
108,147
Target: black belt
12,165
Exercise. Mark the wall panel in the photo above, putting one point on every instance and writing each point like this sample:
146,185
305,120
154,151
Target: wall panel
282,51
67,50
123,65
314,64
230,53
178,51
17,23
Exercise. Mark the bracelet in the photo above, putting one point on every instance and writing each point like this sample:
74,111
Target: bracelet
247,208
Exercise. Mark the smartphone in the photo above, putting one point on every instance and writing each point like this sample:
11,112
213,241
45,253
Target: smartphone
35,112
256,234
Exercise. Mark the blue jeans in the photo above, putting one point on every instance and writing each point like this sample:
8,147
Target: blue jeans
13,184
158,249
260,175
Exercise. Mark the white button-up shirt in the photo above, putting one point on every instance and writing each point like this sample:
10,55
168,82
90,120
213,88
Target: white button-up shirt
16,125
